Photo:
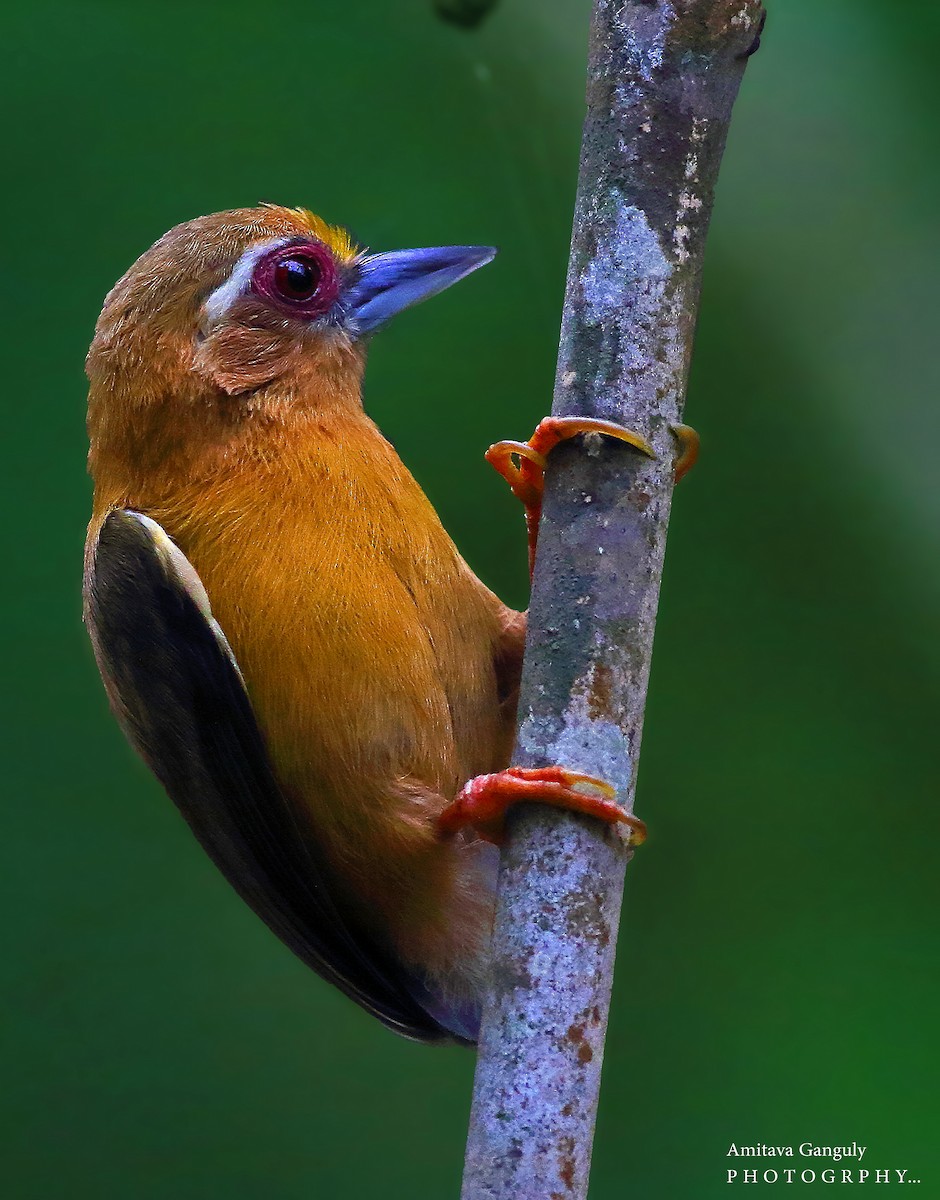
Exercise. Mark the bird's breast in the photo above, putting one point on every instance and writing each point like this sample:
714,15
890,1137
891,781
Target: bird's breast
366,643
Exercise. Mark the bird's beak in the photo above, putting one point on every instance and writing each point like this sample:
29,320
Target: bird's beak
386,284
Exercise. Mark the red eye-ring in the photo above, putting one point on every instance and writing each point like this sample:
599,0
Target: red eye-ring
300,278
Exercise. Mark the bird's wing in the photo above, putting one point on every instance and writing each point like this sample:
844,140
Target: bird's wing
176,688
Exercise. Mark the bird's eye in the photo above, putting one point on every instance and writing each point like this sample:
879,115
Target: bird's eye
297,278
301,279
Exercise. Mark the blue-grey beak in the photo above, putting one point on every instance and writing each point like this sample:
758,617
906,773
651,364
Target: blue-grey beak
386,284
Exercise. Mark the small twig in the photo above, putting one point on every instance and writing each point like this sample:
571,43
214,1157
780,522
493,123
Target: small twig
662,78
468,14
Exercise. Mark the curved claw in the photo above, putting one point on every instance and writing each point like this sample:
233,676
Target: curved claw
525,486
552,430
688,441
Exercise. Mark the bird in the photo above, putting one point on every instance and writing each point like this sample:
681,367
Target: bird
285,631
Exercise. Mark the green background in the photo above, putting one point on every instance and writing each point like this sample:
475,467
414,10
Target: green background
778,972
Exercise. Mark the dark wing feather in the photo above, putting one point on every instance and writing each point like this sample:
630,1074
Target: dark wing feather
177,691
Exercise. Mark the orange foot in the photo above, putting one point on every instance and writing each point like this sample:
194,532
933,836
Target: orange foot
526,479
482,803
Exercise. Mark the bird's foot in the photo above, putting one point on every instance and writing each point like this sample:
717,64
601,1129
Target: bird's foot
526,479
483,802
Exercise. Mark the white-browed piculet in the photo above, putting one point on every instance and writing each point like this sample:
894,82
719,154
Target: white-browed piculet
286,632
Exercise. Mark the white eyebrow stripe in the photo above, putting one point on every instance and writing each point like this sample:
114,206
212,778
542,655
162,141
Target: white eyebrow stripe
224,296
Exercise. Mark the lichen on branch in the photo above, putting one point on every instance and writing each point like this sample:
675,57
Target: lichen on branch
662,79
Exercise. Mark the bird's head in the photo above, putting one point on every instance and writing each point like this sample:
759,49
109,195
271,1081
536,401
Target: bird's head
245,316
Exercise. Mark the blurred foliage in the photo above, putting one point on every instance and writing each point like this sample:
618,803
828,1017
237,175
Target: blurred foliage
778,974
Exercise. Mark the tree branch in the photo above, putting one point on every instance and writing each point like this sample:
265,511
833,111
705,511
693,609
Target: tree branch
662,78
